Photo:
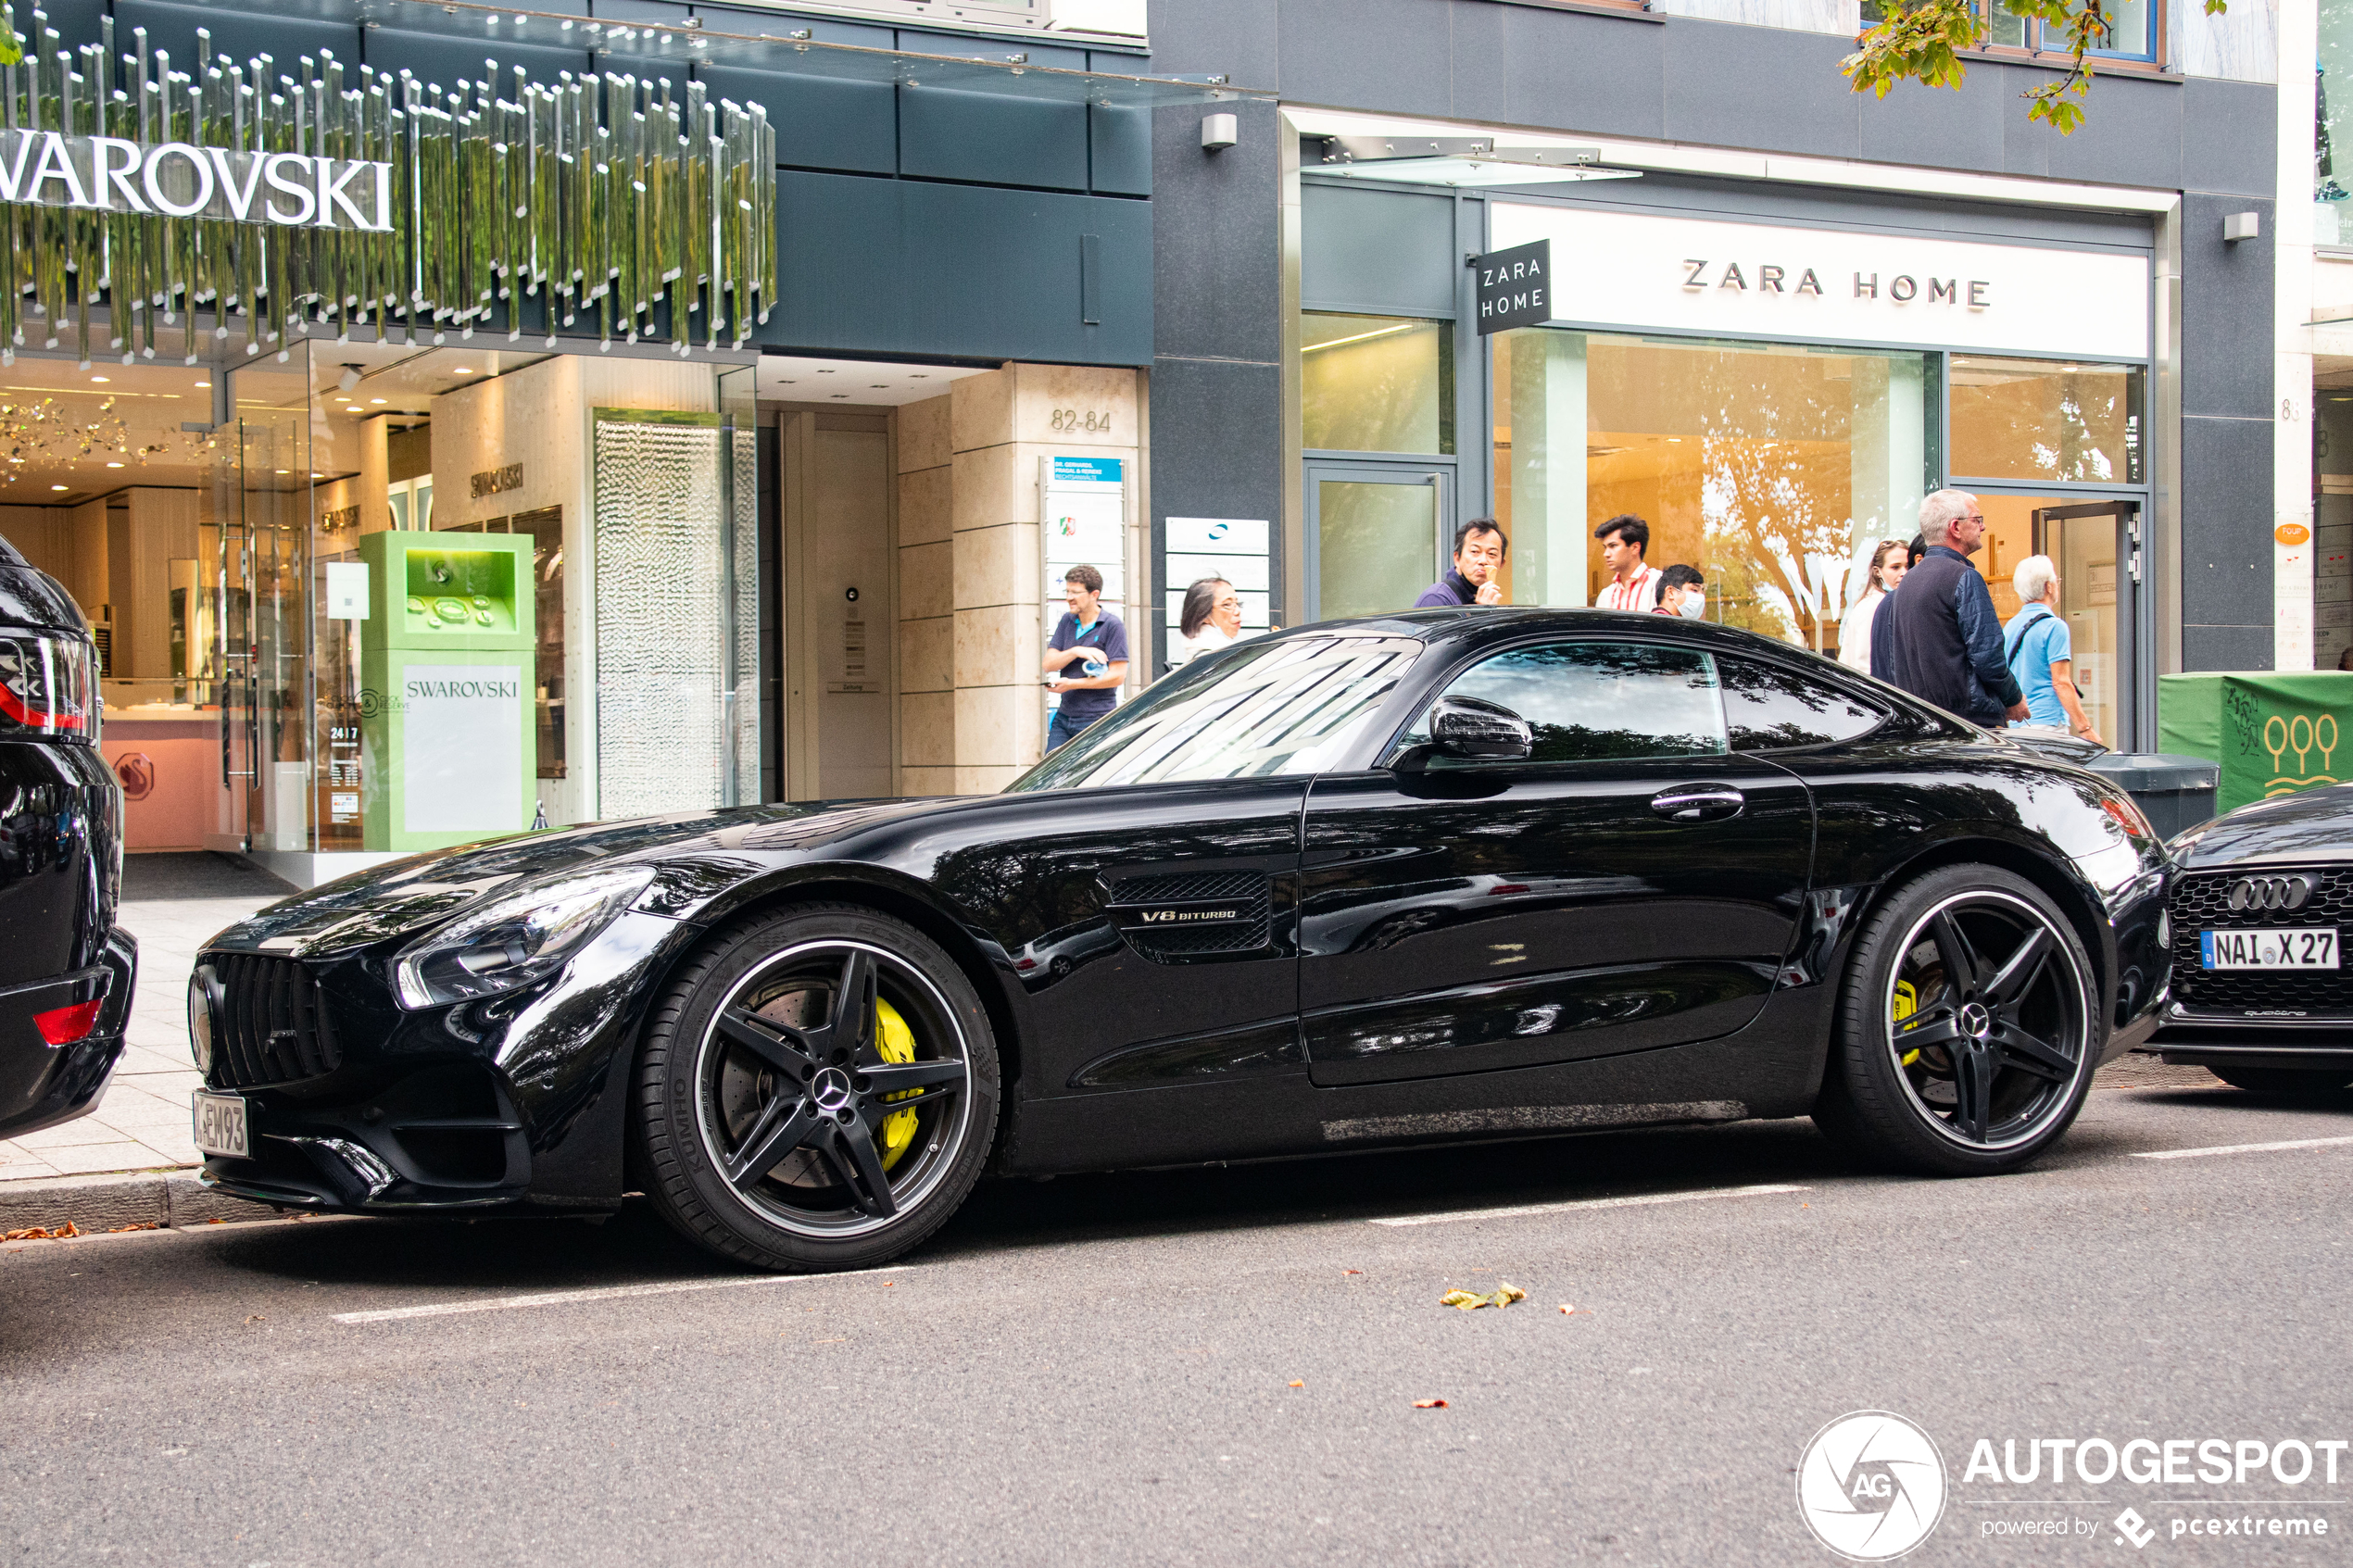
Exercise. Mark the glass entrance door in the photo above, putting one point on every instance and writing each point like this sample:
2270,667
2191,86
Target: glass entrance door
2095,547
1377,537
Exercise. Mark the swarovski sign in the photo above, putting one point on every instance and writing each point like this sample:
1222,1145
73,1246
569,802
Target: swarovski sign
178,179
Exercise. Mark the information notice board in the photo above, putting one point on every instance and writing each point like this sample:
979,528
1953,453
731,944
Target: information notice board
1083,517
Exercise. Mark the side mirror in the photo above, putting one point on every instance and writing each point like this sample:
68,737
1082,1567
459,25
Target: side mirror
1473,730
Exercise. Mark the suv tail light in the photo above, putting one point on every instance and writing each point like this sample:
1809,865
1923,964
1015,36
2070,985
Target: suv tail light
48,685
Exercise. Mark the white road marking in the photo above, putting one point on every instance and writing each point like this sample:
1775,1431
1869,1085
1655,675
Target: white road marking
2240,1148
1515,1212
603,1293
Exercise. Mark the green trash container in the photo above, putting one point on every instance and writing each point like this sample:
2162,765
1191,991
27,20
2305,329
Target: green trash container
2268,734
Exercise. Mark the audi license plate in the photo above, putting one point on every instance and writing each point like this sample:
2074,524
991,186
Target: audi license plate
2311,949
220,1124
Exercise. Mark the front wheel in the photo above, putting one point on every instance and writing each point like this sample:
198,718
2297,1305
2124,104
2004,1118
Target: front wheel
2283,1080
818,1091
1968,1029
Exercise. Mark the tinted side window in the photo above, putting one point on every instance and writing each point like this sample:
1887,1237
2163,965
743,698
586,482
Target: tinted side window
1593,700
1769,708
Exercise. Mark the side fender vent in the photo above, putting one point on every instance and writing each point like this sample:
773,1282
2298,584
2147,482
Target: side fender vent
1193,914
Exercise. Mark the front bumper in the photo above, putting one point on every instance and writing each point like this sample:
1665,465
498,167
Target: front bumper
354,1105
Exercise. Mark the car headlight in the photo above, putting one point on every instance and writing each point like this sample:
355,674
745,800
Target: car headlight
513,939
200,985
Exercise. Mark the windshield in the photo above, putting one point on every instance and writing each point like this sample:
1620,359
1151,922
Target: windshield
1253,711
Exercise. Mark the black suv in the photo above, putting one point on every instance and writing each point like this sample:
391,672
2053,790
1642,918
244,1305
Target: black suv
66,968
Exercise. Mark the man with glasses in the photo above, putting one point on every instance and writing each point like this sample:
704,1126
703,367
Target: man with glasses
1939,635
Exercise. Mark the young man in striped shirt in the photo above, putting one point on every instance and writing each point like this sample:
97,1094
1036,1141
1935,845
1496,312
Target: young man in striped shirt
1633,584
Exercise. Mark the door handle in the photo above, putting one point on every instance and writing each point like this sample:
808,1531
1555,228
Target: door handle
1698,803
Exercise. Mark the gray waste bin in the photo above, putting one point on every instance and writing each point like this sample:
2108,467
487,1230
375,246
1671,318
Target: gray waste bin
2173,792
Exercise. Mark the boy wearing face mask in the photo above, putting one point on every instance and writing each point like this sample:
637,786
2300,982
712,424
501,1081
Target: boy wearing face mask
1681,591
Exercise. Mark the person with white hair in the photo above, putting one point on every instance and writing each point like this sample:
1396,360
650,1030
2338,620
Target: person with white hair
1939,636
2040,653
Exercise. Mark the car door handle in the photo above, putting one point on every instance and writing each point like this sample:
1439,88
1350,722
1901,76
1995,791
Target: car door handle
1698,803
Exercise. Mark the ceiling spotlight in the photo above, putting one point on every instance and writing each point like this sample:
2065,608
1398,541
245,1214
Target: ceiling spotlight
377,400
100,380
114,465
56,487
203,383
465,369
350,378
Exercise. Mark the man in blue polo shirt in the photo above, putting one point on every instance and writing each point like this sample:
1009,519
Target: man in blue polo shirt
1093,640
2041,655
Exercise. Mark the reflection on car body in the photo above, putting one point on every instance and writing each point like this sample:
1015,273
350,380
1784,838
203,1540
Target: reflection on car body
1325,887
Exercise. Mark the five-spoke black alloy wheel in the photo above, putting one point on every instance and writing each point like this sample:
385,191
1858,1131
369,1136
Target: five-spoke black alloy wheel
1969,1030
818,1091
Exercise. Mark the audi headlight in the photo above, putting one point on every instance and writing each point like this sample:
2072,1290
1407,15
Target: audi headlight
515,938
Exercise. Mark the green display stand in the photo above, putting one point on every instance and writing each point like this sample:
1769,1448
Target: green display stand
2270,733
445,657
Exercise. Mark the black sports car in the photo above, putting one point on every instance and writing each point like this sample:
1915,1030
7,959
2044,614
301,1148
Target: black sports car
66,968
2261,993
1456,874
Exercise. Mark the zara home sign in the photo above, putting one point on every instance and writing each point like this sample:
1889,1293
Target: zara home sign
1776,281
178,179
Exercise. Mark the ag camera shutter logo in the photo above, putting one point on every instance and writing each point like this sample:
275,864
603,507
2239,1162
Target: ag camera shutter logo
1872,1485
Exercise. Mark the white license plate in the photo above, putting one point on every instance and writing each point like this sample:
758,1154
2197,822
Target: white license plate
220,1124
2306,949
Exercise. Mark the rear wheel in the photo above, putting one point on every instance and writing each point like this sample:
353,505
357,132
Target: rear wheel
1968,1029
2283,1080
818,1091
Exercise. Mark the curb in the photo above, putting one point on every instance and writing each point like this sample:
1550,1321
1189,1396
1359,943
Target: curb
167,1201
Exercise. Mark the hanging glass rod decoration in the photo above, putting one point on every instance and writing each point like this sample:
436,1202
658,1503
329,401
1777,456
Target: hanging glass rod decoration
602,204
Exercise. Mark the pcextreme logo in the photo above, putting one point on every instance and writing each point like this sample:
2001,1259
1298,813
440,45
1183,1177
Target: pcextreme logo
1872,1485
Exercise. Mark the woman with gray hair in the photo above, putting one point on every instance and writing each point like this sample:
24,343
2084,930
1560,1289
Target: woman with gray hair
2041,655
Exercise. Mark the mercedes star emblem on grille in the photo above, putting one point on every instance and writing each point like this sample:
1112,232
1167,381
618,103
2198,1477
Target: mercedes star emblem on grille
2270,892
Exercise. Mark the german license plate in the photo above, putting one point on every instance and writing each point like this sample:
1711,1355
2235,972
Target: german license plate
2310,948
220,1124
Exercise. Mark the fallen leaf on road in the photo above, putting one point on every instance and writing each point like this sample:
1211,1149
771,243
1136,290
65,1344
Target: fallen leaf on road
257,1318
1352,1270
1430,1404
38,1234
1297,1383
145,1225
1470,1301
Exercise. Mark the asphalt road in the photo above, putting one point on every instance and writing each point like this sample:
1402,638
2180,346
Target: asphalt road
1215,1366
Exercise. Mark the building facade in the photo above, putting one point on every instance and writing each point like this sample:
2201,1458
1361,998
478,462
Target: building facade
638,405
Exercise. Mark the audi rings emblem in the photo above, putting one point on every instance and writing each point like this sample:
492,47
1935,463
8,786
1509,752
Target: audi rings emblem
2270,892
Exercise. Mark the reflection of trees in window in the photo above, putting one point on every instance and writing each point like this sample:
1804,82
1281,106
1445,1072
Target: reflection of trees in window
1590,702
1768,709
1773,490
2016,418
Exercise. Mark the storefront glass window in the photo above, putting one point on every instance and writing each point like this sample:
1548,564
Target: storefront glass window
1376,383
2047,420
2333,128
1772,469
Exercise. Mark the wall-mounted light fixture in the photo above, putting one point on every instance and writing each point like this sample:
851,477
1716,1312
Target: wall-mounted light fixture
1219,132
2240,226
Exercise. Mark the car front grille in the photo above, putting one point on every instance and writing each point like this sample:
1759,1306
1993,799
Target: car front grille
268,1024
2201,901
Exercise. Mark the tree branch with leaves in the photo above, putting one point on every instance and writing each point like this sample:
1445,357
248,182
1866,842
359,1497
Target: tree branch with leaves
1923,41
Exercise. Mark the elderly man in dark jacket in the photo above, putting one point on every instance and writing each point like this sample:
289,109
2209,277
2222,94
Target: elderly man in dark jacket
1938,635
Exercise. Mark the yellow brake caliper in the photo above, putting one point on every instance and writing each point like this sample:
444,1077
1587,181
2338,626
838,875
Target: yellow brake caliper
897,1042
1907,1002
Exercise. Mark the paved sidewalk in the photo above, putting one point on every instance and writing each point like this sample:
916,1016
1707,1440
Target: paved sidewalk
171,903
